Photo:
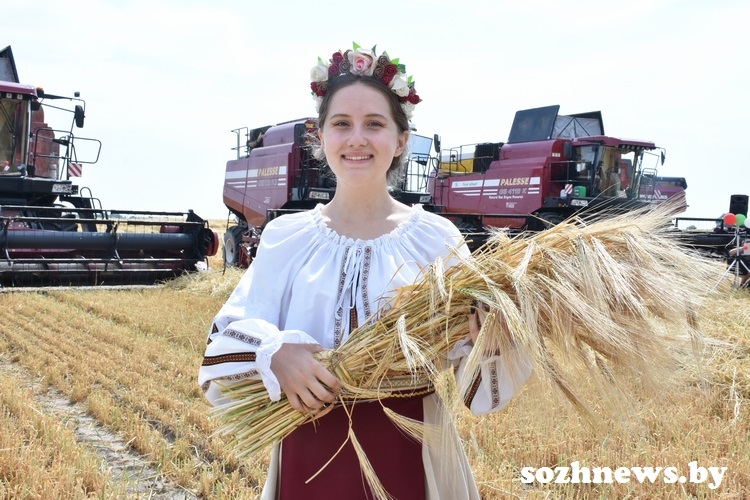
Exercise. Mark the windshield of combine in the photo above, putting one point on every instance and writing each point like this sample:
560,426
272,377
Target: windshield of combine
12,126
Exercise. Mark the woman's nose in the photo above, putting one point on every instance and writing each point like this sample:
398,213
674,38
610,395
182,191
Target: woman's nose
357,137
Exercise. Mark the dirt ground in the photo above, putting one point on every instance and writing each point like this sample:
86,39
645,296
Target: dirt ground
142,479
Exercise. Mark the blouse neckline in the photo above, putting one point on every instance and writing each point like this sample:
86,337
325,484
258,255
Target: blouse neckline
339,239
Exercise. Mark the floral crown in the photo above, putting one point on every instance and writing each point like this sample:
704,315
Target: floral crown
365,62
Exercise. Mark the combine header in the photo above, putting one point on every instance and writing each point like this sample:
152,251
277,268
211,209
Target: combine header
52,232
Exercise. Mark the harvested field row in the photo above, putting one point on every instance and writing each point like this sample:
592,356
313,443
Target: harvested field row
129,360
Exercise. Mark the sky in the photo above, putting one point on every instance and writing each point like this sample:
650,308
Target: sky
166,81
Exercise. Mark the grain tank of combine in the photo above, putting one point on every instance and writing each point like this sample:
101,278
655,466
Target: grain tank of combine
54,233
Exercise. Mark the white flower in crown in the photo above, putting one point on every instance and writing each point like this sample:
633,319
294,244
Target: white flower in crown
399,86
408,109
319,73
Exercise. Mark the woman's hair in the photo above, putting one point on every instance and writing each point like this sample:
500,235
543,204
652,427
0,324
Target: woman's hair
397,111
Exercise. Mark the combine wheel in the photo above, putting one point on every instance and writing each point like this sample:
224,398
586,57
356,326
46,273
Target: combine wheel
550,219
232,239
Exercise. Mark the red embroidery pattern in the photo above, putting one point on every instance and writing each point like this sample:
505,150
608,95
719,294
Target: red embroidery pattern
228,358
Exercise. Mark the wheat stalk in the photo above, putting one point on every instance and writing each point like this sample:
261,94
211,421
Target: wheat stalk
611,298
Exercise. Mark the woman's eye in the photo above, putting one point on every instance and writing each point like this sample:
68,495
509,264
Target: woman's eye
340,124
375,124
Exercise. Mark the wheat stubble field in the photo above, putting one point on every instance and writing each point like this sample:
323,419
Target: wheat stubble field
99,400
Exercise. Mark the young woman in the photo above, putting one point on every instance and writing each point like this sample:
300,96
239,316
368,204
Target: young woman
319,274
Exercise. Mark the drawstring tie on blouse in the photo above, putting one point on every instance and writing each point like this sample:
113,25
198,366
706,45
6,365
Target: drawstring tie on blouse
351,272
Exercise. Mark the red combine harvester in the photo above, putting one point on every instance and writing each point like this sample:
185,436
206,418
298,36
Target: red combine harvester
52,232
551,167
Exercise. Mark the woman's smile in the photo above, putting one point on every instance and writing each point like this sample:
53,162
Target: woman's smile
357,157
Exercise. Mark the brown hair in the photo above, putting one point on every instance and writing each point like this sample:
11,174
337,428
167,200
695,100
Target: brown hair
399,116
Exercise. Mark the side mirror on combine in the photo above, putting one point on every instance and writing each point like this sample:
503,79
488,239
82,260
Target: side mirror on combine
79,115
436,143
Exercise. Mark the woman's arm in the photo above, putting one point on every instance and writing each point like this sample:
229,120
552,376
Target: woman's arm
497,379
249,333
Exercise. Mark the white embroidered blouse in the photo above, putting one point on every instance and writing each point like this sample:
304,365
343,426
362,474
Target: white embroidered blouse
302,284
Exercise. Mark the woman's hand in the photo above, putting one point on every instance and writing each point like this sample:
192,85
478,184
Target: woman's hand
306,383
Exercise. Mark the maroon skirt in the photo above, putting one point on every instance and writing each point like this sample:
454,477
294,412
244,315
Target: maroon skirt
395,456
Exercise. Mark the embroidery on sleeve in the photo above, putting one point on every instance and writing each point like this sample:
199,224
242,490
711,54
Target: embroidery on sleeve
214,329
235,357
242,337
473,390
494,385
230,378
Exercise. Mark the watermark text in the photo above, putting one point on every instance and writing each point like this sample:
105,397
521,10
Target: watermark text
577,474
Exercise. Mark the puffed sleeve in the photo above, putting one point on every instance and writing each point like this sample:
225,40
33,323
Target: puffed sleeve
499,378
245,334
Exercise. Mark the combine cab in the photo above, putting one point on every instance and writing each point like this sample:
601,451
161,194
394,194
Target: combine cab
51,233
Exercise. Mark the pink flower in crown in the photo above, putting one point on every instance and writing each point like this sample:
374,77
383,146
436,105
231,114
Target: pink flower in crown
362,61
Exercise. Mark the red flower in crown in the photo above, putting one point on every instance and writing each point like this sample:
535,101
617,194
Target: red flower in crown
318,88
389,71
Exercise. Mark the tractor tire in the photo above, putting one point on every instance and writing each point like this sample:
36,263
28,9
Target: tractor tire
231,248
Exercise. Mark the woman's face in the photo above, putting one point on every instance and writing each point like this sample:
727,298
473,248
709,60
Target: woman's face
360,137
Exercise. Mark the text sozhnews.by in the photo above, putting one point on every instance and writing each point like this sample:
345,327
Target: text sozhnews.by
576,474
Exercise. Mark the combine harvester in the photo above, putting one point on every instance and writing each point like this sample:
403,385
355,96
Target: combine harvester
54,234
552,167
